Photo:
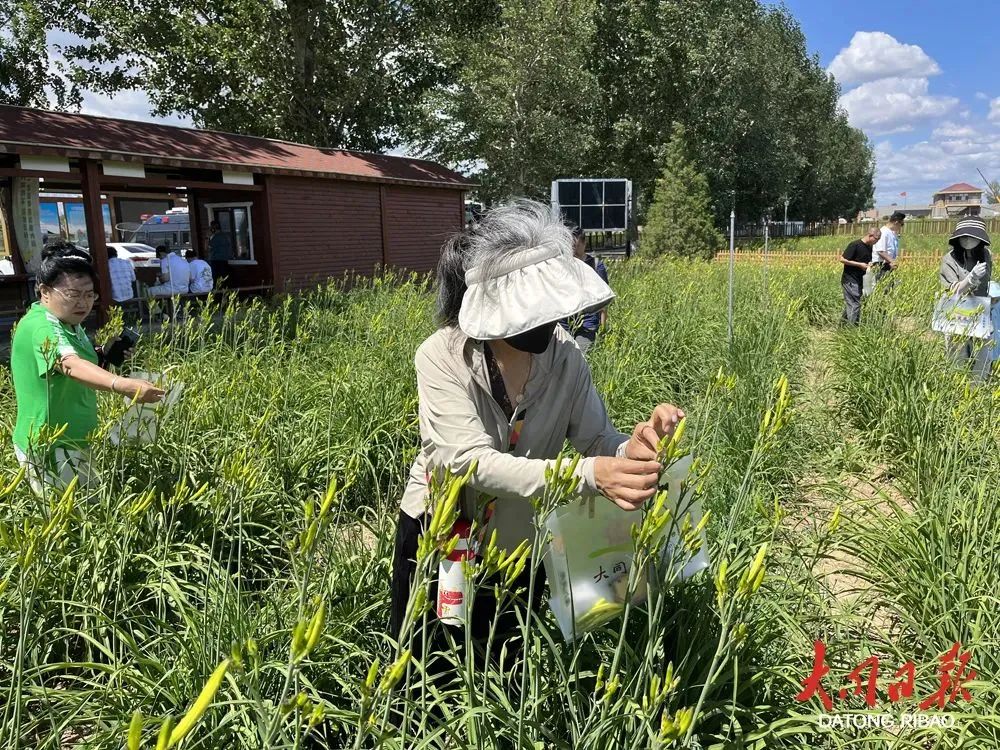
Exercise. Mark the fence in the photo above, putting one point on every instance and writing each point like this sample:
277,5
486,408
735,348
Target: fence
911,227
778,230
608,244
785,257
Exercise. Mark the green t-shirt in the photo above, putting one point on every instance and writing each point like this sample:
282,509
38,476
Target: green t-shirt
46,397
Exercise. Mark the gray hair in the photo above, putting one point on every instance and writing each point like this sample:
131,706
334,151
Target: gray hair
512,228
503,231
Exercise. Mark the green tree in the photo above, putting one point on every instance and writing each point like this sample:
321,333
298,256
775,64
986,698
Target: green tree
679,221
993,192
28,76
761,114
335,73
515,92
519,111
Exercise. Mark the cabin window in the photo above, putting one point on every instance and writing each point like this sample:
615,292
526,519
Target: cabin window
234,220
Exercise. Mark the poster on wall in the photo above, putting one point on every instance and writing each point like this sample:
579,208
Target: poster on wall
26,221
76,223
48,214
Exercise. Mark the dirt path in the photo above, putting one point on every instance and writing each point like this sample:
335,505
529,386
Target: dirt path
840,486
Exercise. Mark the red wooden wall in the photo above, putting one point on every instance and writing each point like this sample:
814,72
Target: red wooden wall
417,222
323,228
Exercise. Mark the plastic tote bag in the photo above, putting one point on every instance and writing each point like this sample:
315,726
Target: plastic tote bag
590,555
139,422
868,282
995,319
963,316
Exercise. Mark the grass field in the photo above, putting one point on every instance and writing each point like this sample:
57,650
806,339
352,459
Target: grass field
228,585
925,247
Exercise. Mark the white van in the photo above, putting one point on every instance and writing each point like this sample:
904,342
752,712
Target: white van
172,229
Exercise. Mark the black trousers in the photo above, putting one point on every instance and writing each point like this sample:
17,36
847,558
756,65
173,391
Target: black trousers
484,607
220,268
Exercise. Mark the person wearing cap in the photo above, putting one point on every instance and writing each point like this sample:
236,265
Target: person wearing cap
584,328
502,387
885,252
966,269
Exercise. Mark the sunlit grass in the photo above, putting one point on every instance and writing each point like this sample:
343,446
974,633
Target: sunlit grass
256,532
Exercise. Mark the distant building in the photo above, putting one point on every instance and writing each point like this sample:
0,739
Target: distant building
952,202
880,213
960,199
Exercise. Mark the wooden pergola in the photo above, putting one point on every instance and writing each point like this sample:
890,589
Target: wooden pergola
96,156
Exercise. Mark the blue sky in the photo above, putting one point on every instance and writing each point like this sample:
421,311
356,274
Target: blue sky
921,79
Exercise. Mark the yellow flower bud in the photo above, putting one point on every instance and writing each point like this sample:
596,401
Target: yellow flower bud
163,738
835,520
135,731
370,679
395,673
200,705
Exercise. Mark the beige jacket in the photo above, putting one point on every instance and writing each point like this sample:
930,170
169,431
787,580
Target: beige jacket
460,422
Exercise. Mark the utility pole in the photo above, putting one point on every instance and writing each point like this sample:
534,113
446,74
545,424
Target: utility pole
732,264
767,223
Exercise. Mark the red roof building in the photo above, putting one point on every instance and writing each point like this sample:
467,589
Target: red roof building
959,187
297,214
955,201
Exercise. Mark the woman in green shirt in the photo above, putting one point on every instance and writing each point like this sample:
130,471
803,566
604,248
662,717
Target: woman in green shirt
57,372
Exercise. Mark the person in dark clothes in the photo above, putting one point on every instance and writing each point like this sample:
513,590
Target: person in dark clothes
220,252
584,328
856,259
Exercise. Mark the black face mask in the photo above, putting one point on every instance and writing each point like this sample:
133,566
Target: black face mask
534,341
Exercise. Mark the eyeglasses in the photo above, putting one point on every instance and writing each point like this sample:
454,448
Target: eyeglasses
75,295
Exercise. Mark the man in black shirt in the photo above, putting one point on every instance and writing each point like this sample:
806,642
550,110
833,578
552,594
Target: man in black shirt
856,258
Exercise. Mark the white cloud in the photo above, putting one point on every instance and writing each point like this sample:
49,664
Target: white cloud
950,129
891,95
951,155
893,105
126,105
131,104
872,55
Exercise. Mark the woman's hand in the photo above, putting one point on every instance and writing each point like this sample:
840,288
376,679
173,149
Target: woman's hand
626,483
141,390
647,435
